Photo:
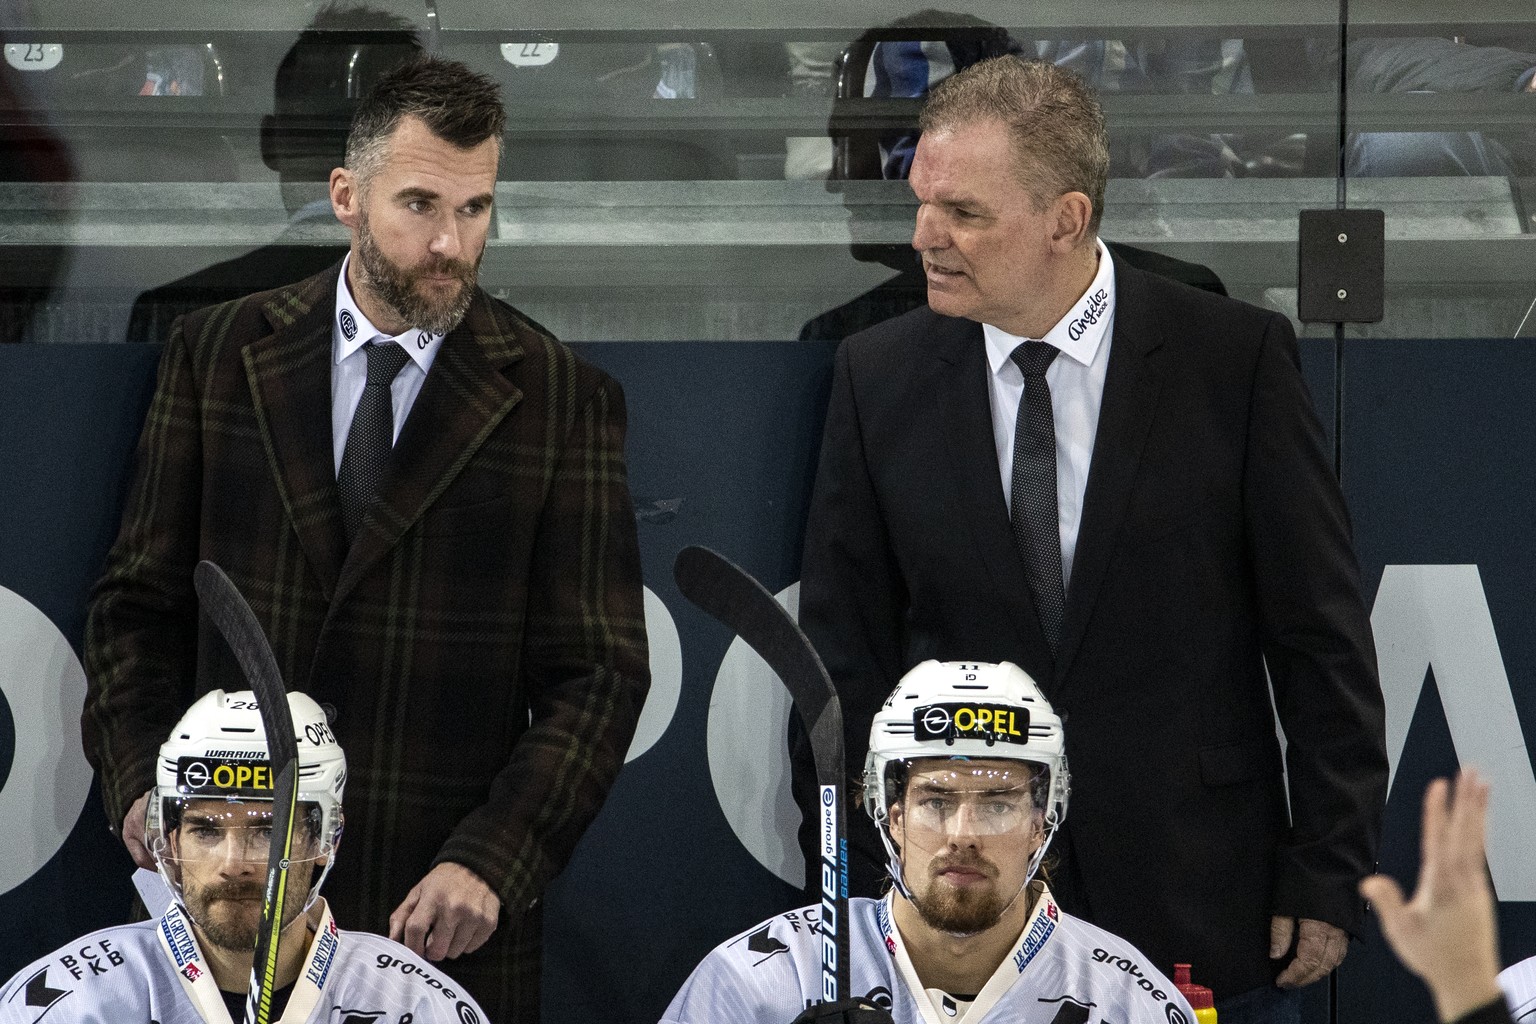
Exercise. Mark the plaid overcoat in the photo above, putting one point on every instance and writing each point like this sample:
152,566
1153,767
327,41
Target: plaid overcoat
482,640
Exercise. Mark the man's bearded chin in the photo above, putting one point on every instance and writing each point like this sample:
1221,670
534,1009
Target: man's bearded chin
965,911
397,287
233,923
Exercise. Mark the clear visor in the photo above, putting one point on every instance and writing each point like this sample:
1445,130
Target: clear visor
963,799
965,815
229,841
236,831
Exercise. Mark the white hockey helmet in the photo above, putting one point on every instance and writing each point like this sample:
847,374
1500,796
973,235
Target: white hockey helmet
218,751
965,711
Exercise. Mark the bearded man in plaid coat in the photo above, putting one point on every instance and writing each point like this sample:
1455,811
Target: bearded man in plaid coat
459,579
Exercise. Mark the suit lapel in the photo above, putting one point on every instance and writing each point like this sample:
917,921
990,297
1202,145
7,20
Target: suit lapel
463,399
1132,384
289,374
963,394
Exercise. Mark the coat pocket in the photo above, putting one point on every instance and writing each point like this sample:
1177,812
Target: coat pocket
476,517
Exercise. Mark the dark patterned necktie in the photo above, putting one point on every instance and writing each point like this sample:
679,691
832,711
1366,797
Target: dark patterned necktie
1033,508
371,437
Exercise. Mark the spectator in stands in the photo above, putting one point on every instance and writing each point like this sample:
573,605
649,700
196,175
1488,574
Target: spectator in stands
30,152
1399,65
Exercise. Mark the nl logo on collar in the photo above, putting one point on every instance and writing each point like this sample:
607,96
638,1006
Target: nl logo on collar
348,324
210,776
992,723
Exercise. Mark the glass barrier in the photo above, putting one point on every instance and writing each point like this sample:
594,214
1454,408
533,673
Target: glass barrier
1442,130
698,171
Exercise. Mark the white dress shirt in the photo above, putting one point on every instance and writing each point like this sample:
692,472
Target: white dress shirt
1076,379
350,331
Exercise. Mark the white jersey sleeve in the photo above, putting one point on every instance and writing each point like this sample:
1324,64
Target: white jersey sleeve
385,976
153,972
765,974
113,976
1519,984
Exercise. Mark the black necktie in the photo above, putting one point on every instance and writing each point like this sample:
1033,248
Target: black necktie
1033,508
371,436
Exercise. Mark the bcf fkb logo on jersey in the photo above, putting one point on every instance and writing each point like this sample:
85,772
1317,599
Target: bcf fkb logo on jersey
991,722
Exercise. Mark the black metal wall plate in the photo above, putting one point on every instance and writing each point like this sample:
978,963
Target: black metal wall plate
1341,271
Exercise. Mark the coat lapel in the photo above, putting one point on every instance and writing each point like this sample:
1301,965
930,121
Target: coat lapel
463,399
289,374
962,392
1132,384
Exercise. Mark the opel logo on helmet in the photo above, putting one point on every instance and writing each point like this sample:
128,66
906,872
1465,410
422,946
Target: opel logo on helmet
197,775
936,720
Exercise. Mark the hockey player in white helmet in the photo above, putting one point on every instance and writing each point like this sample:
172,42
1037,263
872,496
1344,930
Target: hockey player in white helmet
209,824
967,781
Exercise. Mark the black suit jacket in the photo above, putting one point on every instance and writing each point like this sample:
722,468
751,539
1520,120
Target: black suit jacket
1213,539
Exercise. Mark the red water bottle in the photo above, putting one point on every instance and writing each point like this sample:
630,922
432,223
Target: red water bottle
1201,999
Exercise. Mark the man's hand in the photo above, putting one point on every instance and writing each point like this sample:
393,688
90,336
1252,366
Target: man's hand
133,833
1319,950
1447,934
450,912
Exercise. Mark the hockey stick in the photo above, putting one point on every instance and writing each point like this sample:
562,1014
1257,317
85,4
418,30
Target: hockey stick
729,594
223,603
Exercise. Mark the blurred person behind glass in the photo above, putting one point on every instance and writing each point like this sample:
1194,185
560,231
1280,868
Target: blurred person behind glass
1394,65
332,65
29,153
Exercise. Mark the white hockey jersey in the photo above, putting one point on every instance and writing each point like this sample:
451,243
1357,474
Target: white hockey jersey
1061,971
154,973
1519,984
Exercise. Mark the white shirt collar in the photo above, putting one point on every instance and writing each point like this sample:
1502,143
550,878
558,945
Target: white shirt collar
1078,334
351,329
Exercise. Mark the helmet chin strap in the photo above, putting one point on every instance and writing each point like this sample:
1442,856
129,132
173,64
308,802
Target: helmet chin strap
893,862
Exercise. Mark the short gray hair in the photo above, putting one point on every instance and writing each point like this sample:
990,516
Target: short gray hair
457,105
1052,116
